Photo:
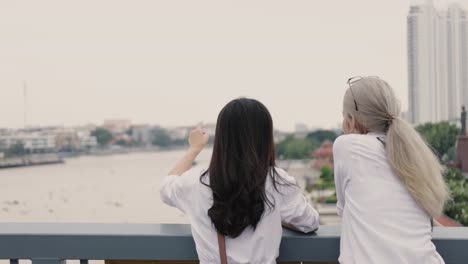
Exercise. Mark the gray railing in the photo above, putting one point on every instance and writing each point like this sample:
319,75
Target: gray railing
53,243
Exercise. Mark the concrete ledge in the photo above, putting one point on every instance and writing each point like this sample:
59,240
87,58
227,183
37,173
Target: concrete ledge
174,242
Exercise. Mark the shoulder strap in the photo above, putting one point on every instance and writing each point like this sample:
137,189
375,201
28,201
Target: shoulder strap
222,248
382,140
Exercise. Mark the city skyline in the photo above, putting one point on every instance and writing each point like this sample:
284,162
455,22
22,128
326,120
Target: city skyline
437,62
177,63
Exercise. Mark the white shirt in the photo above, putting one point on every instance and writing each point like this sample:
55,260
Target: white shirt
381,223
260,246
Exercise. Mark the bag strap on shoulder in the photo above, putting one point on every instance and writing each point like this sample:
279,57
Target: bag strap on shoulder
222,248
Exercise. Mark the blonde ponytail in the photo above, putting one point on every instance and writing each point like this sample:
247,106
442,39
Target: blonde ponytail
416,166
373,104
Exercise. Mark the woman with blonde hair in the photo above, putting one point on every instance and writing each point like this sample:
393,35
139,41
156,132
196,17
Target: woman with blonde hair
389,183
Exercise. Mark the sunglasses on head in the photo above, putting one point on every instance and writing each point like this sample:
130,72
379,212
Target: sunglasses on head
356,79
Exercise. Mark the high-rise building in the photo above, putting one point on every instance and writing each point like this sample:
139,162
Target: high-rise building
437,62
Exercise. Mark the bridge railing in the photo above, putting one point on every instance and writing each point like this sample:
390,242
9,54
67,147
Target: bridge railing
53,243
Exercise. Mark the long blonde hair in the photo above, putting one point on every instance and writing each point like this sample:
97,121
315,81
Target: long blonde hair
371,103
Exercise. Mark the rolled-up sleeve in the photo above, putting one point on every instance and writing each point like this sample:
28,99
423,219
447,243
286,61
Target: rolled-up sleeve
175,190
296,210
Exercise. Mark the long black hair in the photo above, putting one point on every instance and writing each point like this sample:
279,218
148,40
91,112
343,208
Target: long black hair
243,157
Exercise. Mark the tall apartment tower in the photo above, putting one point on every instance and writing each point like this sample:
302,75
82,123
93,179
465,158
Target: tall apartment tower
437,62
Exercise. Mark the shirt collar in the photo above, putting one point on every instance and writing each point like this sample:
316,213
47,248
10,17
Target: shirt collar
376,133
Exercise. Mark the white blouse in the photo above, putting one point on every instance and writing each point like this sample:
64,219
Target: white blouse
260,246
381,223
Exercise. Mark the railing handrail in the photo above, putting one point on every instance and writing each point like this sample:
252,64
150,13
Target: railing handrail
57,241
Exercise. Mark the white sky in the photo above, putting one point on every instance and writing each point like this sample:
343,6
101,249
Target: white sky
177,62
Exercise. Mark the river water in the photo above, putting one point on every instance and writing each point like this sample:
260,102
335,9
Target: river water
99,189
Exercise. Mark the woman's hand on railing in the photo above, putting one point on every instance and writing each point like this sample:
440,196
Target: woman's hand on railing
290,226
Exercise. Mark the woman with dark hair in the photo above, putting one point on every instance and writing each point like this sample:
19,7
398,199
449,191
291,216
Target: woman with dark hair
237,206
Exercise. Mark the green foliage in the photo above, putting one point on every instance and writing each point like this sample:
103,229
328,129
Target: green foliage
322,135
331,199
450,154
16,149
326,174
122,142
103,136
161,138
441,137
327,179
295,148
457,208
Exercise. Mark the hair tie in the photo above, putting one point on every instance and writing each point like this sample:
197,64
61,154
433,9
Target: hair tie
390,119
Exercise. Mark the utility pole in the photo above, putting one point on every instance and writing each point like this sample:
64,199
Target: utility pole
25,94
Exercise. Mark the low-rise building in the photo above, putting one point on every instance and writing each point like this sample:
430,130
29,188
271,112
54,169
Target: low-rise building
142,134
118,126
279,136
33,142
179,133
67,140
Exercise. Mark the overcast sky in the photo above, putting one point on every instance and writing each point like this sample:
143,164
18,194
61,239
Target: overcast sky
178,62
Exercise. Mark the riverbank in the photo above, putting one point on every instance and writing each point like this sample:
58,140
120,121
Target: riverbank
60,157
120,150
31,160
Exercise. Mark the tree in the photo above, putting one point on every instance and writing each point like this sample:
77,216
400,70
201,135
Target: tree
331,199
103,136
326,181
161,138
322,135
457,207
122,142
294,148
440,136
129,132
16,149
327,178
326,174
